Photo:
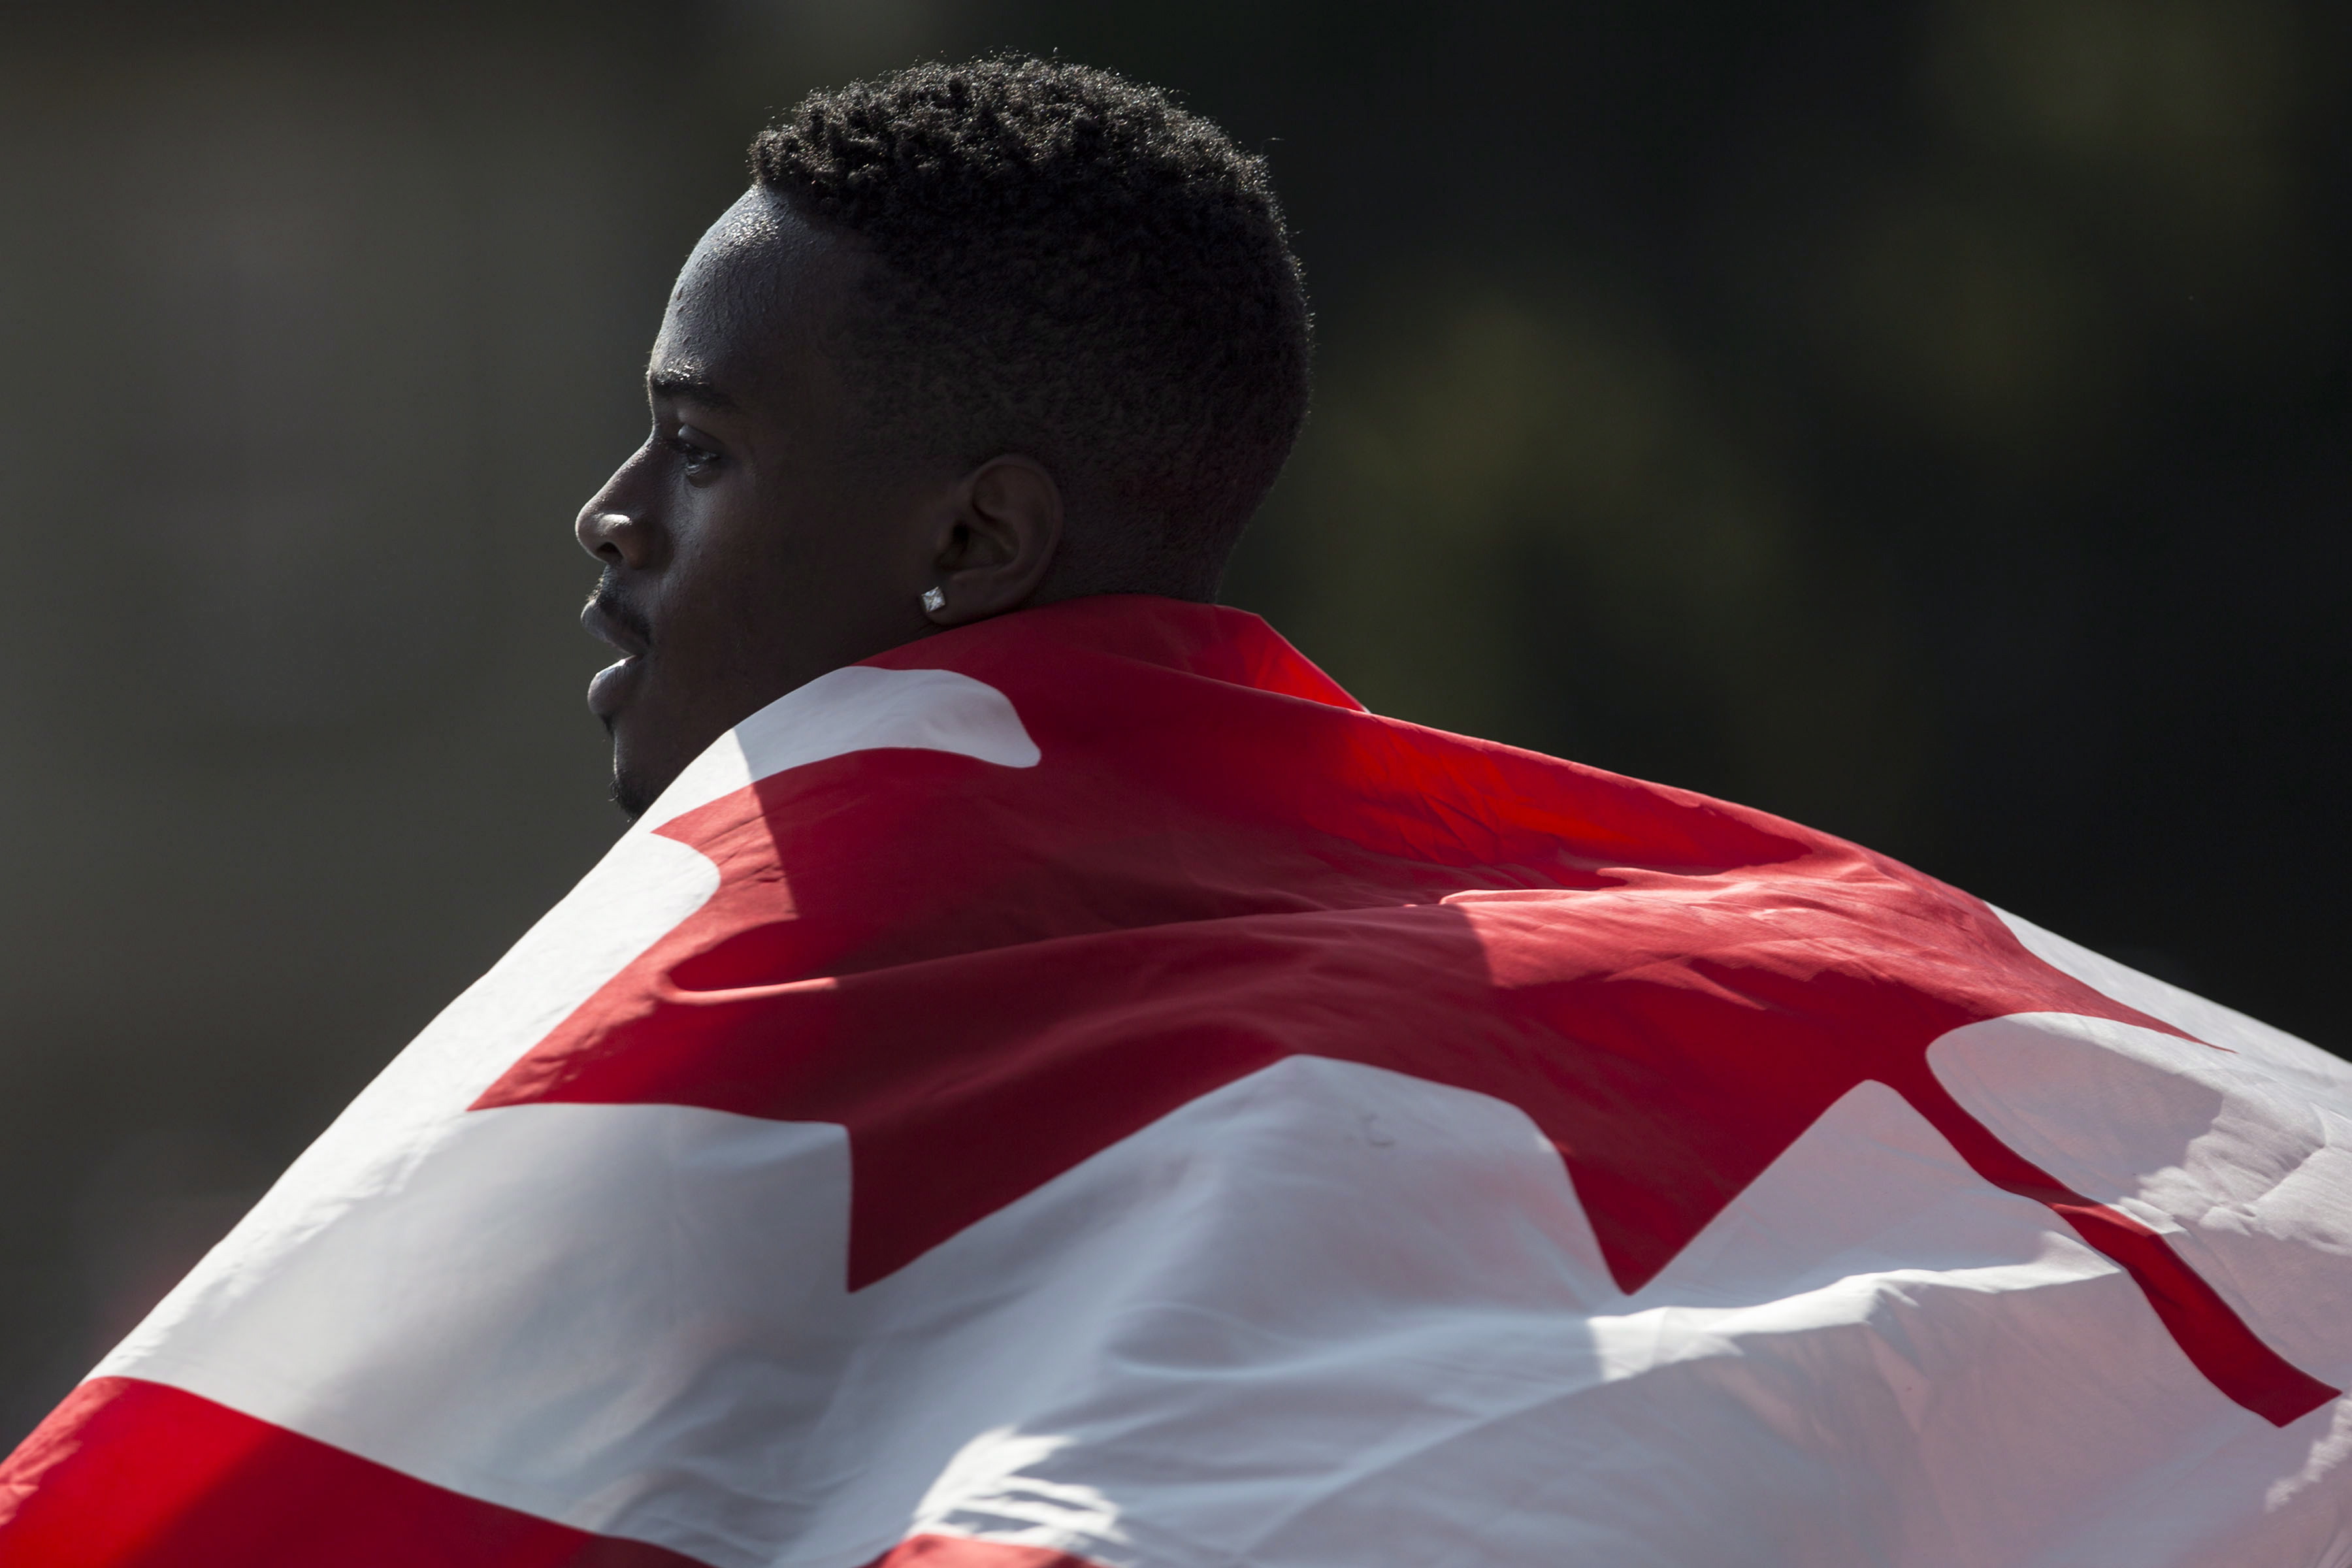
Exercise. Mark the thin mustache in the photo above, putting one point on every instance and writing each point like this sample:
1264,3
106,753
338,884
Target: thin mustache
609,603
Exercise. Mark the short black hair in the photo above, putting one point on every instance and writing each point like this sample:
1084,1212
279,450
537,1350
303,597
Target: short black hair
1074,267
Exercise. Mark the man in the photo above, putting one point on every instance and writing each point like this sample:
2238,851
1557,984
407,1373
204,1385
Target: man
934,367
1048,1080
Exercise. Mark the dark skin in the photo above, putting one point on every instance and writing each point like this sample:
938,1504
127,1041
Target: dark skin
753,543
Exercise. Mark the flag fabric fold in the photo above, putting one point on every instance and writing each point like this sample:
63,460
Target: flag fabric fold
1077,1090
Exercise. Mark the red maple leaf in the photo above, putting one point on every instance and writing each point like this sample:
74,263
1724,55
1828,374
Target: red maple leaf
987,974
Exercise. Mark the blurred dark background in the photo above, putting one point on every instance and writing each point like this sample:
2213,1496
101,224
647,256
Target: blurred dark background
1931,419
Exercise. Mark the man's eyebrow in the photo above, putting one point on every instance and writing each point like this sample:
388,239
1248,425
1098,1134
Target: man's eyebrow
687,385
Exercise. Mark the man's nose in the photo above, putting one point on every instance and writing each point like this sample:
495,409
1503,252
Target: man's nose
616,526
614,535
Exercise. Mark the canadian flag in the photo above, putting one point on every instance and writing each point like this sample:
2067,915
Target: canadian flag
1077,1090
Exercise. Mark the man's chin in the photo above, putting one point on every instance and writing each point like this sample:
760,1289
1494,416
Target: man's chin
634,787
646,759
630,794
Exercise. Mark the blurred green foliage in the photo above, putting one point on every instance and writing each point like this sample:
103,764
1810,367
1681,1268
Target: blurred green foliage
1525,520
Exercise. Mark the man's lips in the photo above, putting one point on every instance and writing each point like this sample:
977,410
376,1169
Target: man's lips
609,623
612,624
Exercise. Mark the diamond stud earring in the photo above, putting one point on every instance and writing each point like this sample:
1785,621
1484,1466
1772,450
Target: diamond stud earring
935,599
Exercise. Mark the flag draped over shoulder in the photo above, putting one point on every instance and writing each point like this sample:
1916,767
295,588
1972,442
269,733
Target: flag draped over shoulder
1077,1090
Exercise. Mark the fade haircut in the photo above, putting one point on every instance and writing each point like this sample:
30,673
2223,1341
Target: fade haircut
1073,267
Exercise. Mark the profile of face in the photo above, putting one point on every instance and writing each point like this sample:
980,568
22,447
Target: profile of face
762,536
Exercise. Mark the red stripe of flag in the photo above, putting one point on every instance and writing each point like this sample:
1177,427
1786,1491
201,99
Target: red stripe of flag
128,1474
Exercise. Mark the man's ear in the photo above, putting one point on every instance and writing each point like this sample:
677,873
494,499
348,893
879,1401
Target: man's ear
999,541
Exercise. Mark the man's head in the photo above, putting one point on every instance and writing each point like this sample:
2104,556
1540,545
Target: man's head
1014,331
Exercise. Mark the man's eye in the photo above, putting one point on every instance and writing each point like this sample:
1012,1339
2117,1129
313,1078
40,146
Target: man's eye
696,455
